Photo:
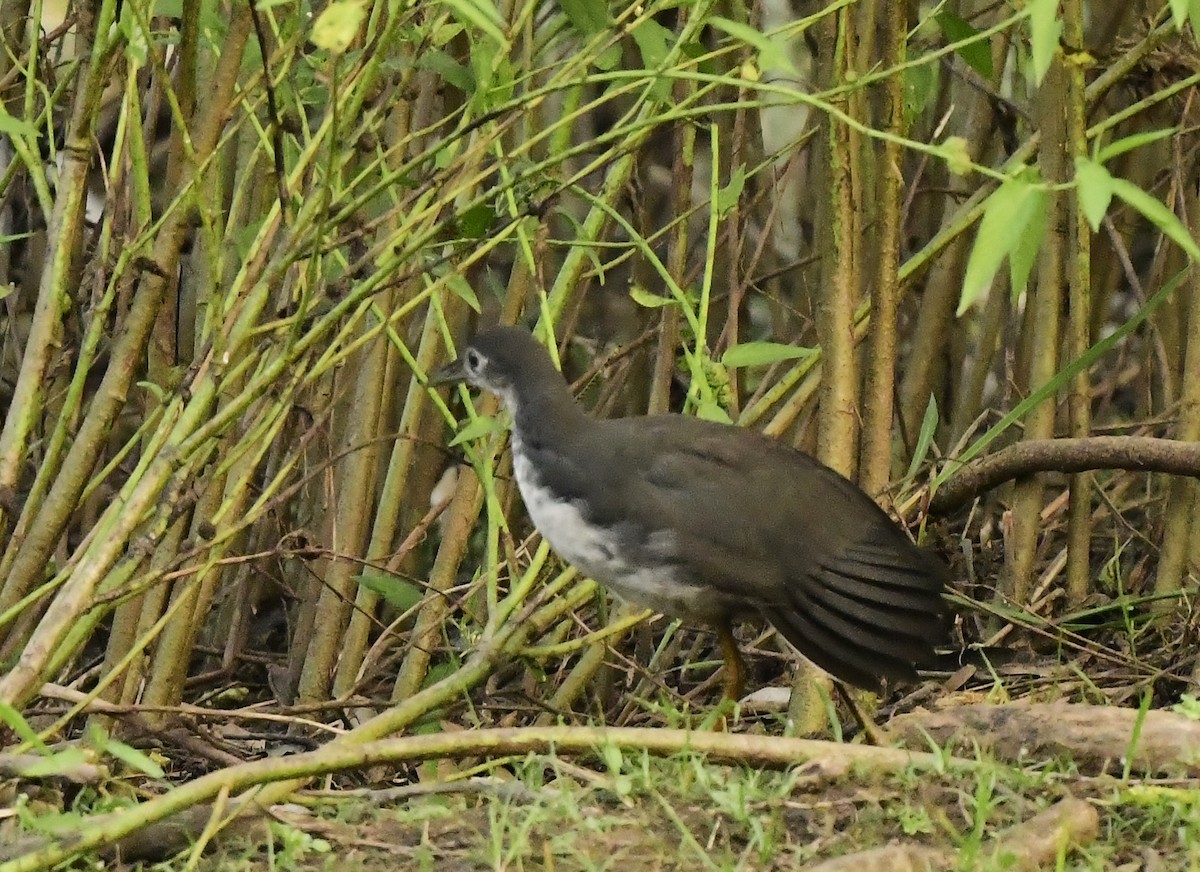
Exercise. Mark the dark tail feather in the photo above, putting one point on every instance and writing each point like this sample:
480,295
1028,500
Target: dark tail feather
839,657
869,614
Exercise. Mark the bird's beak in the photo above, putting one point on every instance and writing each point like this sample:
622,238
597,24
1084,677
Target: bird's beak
451,373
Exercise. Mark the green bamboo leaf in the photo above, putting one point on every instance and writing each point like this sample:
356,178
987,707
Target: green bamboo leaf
957,155
58,763
709,410
643,297
476,223
727,196
477,429
132,757
137,45
10,125
338,25
452,72
771,54
1137,140
1158,214
762,353
400,594
462,289
15,722
1005,218
920,90
978,55
1024,254
1045,27
1093,184
653,42
1179,12
482,15
925,437
589,17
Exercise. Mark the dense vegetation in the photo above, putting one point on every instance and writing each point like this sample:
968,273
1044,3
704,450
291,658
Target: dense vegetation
235,237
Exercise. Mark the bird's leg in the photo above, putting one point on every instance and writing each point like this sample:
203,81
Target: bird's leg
735,668
875,736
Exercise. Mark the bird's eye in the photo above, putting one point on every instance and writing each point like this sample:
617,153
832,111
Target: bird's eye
474,360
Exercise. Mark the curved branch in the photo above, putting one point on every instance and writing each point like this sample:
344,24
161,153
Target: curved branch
1135,453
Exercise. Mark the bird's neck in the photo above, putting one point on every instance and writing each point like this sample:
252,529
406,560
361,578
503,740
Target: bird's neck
545,410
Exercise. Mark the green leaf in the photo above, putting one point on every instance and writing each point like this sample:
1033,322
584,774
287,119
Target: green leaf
451,71
441,35
483,15
436,673
1024,254
1158,214
1093,184
698,52
920,90
589,17
477,429
709,410
1179,12
653,42
137,46
956,154
762,353
727,196
10,125
977,54
1137,140
400,594
643,297
338,25
462,289
607,59
15,722
133,758
1045,27
501,85
1005,217
925,437
1188,706
771,54
475,222
43,820
57,763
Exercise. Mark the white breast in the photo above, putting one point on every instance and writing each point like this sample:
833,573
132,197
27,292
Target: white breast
589,548
594,550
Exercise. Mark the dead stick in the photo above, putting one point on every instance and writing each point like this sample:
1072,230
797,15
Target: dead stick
1135,453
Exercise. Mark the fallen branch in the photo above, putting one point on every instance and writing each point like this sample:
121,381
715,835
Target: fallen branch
1093,737
106,830
1136,453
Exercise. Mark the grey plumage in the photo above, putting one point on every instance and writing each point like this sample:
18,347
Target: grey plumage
710,522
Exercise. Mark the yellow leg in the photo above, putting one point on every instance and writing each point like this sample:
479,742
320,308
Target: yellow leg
735,668
875,736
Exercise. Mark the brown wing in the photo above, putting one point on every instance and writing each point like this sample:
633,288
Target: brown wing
770,529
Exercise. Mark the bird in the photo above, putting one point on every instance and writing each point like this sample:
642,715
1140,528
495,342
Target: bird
713,523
